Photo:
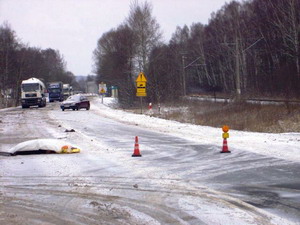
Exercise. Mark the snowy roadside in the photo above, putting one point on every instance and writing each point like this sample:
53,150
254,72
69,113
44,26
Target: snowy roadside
283,145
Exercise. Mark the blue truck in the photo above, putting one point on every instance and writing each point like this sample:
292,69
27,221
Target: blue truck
55,90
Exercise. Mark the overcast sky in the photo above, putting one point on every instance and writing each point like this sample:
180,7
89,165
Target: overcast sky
74,26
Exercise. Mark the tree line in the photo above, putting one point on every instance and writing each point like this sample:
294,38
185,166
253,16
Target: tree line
19,61
248,49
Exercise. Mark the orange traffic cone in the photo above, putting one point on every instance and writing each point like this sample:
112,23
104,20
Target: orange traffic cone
225,147
136,152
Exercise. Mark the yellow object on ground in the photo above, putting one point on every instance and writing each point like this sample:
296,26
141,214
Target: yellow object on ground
69,149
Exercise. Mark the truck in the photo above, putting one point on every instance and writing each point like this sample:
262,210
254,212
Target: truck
67,90
33,93
55,90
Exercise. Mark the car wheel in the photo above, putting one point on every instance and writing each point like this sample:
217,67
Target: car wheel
88,108
73,109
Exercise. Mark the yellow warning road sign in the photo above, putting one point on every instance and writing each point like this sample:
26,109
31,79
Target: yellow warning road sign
102,88
141,78
141,85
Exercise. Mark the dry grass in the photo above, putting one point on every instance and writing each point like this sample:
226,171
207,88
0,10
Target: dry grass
239,116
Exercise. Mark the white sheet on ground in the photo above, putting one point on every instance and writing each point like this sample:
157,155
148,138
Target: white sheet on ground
58,146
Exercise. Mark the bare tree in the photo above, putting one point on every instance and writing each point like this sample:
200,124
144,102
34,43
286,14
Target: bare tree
113,61
286,19
147,33
8,48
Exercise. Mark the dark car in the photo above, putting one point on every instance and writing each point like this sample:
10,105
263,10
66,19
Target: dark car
75,102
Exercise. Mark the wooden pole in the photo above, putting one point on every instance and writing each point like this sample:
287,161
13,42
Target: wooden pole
141,105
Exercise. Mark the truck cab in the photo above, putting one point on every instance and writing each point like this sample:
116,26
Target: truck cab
33,93
67,90
55,90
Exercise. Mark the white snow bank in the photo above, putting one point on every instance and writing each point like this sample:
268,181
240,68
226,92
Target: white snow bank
282,145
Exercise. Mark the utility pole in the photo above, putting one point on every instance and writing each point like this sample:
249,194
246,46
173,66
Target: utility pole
183,76
183,72
237,64
237,70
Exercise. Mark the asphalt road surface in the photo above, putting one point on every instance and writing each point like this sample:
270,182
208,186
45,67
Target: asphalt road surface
176,181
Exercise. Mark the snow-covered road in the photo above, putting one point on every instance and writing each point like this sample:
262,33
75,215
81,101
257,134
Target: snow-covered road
181,177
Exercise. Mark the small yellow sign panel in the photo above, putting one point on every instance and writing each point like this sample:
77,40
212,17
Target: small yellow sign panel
141,90
225,135
141,94
140,84
141,78
102,91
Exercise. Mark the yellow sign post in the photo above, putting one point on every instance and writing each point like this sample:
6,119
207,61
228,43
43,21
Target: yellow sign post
102,90
141,83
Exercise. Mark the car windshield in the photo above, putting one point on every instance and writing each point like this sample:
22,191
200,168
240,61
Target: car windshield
74,98
54,90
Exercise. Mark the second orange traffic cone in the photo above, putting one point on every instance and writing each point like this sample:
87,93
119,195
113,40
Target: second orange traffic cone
136,152
225,146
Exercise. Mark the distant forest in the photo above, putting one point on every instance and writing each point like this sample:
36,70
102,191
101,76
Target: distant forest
248,49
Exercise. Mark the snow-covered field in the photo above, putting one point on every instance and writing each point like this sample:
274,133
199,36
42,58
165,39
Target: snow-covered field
282,145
